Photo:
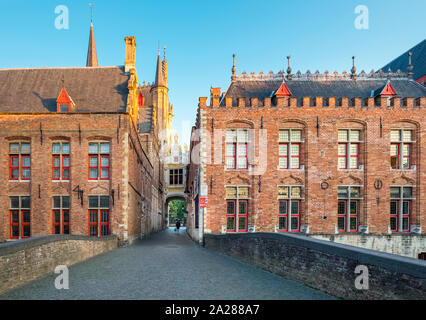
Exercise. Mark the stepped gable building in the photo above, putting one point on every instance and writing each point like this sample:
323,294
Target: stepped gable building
418,57
72,159
320,154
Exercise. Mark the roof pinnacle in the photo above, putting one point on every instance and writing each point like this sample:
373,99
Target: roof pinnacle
234,69
289,76
353,70
410,66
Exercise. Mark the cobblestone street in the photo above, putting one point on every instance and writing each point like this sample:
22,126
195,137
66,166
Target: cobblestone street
166,266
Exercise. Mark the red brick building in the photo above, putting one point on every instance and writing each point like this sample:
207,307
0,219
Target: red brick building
72,156
318,154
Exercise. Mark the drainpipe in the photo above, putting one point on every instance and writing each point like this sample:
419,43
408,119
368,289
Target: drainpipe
201,227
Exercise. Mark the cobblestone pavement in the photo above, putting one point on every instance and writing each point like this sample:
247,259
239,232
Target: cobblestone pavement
166,266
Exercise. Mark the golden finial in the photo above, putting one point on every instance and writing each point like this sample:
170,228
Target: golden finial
91,12
164,48
63,81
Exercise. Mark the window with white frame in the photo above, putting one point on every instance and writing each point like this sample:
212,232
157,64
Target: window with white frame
236,149
289,201
348,148
237,209
348,208
61,215
401,204
290,142
20,217
401,148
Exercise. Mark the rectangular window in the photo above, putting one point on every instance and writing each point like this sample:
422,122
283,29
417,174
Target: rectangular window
230,215
99,216
348,148
176,177
237,209
401,149
400,208
348,208
289,148
61,214
289,208
99,161
20,217
61,161
20,161
236,149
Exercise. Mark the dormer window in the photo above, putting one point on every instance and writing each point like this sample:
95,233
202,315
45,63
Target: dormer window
64,102
64,107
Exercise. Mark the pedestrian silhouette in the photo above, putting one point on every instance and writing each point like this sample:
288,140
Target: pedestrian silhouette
177,225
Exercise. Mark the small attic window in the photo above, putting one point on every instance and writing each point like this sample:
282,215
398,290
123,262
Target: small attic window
64,107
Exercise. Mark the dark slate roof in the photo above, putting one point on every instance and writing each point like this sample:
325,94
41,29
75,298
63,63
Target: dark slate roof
98,89
323,88
418,60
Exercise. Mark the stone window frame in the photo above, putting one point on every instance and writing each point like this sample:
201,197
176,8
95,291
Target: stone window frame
173,175
20,155
348,143
237,199
289,143
61,211
400,208
99,156
62,156
20,210
236,154
347,215
289,200
99,211
400,149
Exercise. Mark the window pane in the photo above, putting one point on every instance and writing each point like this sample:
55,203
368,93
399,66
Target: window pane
93,173
15,174
242,136
56,202
394,162
355,192
56,174
294,163
355,136
65,202
393,224
406,135
295,192
15,162
283,207
394,150
342,149
105,148
283,163
26,173
294,223
295,207
394,207
342,163
15,217
353,223
25,203
93,202
243,192
93,161
104,173
282,223
407,192
230,149
283,136
56,162
104,162
405,207
25,148
93,148
26,217
342,192
66,216
56,148
395,193
283,150
66,229
230,222
242,223
394,136
295,149
343,135
283,192
26,231
354,207
341,207
104,202
242,163
354,149
231,192
104,216
26,161
296,135
341,223
231,136
242,149
405,225
405,163
354,163
230,207
14,202
13,148
66,161
242,207
65,148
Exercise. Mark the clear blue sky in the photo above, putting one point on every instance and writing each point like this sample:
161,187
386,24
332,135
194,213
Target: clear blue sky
202,35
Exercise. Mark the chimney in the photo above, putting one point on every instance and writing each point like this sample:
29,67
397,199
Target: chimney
130,62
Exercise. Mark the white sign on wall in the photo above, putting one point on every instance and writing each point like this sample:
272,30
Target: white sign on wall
204,190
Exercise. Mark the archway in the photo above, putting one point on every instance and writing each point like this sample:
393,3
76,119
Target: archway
176,210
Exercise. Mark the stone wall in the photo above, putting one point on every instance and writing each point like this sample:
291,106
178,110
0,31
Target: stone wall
409,245
326,266
29,259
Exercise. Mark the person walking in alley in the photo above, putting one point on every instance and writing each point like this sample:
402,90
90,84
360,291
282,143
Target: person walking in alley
177,225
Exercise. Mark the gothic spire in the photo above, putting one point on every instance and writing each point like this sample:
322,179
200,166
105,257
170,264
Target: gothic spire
159,75
92,57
